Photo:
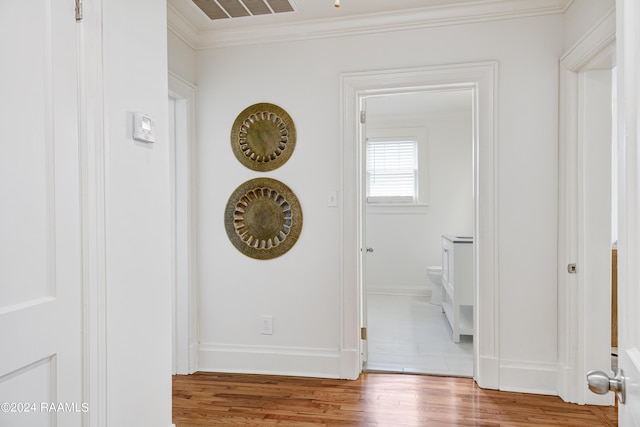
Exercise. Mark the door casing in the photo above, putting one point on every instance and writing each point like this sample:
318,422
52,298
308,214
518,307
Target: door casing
480,77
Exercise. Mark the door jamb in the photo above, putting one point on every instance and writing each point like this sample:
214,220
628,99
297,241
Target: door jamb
185,294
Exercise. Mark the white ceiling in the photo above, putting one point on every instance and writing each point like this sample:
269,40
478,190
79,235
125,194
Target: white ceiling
310,10
319,18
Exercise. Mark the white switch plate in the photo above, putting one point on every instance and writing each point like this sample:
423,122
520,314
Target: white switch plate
143,128
332,198
266,325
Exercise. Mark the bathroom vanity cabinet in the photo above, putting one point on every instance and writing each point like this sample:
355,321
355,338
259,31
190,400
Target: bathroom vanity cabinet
457,281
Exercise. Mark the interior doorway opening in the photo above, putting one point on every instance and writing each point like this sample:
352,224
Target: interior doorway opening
418,187
181,122
614,221
586,214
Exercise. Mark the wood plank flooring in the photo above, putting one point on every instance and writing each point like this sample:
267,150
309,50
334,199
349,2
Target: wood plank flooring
208,399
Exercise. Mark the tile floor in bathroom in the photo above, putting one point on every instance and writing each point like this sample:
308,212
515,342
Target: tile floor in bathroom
409,334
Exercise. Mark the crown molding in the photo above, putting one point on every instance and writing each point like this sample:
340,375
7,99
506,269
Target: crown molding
600,37
181,27
465,13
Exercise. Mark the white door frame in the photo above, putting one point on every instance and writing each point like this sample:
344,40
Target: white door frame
183,189
577,345
482,79
92,151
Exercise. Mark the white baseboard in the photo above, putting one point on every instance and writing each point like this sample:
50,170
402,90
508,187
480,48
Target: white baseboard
488,372
529,377
417,291
308,362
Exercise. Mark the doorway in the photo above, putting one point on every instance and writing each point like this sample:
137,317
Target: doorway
585,213
480,78
183,222
418,186
596,243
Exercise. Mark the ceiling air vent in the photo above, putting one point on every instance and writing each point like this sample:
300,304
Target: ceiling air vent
223,9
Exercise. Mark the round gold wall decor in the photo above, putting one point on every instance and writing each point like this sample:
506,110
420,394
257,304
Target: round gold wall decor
263,218
263,137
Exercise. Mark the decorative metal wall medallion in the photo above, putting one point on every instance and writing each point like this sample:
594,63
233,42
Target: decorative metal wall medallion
263,137
263,218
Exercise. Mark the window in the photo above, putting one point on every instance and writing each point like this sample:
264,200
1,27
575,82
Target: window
392,171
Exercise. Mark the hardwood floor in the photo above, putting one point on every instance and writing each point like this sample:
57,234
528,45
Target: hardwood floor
207,399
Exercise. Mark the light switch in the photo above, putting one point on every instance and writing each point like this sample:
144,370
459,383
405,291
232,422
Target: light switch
143,128
332,199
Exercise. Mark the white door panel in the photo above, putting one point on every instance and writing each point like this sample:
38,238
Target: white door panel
628,43
362,229
40,239
594,221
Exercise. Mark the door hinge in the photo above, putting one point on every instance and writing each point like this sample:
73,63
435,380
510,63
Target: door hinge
363,333
363,117
79,11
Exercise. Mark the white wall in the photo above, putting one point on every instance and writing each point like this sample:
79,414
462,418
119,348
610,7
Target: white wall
182,59
302,288
406,241
138,304
581,16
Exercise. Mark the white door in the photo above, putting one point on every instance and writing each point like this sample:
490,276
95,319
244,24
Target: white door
594,221
628,44
362,229
40,217
179,184
174,252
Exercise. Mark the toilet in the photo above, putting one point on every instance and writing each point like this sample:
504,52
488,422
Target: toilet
435,277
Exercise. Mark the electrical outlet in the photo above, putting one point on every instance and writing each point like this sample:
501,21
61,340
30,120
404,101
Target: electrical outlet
266,325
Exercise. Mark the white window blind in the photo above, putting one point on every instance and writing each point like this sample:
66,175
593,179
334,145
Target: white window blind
392,171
